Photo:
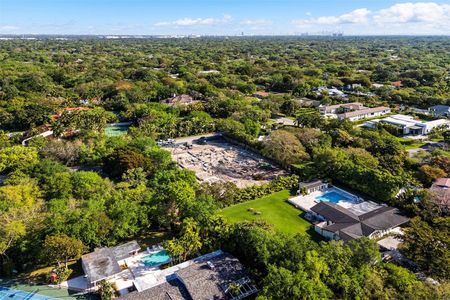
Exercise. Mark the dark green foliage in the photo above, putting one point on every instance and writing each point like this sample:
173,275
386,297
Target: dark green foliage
142,189
123,159
254,192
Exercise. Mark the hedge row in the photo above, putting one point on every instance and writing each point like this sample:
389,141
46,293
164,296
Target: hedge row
254,192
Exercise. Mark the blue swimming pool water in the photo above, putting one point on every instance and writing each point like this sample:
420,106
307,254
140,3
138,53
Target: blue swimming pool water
8,293
334,197
157,258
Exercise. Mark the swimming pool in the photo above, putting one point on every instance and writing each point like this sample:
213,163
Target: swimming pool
157,258
116,130
334,197
8,293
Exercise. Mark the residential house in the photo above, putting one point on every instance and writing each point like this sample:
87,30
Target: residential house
330,91
339,223
179,100
261,95
364,113
339,108
440,111
352,111
441,193
350,87
68,110
206,277
408,125
105,263
397,83
377,85
207,72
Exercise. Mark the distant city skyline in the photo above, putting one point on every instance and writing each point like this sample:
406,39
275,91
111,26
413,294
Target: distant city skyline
224,17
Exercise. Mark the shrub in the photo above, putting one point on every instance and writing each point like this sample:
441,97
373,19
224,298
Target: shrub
63,274
105,290
254,192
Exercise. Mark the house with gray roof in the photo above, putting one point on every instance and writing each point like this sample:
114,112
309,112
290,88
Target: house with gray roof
179,100
440,111
339,223
440,191
105,263
203,278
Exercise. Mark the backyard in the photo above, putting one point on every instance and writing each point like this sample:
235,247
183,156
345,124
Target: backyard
274,210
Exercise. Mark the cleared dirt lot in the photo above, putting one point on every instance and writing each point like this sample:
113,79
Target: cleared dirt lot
214,159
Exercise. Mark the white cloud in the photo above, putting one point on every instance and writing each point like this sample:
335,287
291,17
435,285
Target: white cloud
409,18
258,22
8,28
414,12
360,15
184,22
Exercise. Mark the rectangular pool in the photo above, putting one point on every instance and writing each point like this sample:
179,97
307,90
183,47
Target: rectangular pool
157,258
334,197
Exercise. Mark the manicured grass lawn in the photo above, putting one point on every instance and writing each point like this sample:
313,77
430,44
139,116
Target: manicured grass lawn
409,143
274,210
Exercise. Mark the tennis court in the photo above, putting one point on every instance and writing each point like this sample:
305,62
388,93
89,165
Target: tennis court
8,293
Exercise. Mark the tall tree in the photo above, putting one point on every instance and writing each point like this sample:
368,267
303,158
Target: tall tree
61,248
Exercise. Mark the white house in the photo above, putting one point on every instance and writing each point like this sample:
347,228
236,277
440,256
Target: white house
409,126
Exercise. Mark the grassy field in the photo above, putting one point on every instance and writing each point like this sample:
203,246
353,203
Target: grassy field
274,210
410,143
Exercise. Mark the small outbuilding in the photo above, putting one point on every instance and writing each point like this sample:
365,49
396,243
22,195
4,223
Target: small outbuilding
312,186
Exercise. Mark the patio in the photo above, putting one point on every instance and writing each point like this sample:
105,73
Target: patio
355,204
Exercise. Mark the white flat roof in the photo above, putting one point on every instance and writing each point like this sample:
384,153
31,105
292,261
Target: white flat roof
438,122
400,121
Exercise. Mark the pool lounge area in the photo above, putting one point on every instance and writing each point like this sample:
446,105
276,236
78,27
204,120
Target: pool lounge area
156,258
329,193
335,197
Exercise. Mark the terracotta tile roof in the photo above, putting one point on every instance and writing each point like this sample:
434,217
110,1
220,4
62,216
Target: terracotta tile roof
261,94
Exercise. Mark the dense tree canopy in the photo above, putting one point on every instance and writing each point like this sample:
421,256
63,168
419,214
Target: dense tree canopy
78,187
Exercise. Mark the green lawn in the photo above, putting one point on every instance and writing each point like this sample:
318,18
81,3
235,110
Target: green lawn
410,143
274,210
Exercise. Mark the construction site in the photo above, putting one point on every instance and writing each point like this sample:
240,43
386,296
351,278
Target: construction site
214,159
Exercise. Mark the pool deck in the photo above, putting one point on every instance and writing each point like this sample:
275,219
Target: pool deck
145,276
354,203
149,277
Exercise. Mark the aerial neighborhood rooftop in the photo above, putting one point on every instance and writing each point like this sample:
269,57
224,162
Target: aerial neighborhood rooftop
340,215
408,125
150,275
440,110
352,111
441,192
183,99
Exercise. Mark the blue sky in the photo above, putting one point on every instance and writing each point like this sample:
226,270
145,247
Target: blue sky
229,17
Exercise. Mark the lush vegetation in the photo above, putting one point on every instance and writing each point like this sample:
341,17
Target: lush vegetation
272,209
77,189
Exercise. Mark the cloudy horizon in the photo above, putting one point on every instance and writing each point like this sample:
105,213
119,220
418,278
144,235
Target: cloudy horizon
224,17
